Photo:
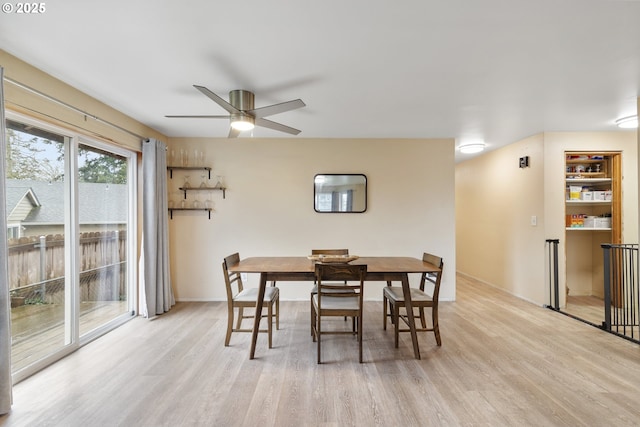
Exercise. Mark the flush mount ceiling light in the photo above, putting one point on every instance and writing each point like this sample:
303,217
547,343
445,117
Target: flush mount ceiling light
242,122
630,122
472,148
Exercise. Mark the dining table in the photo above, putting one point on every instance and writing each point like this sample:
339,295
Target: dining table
302,269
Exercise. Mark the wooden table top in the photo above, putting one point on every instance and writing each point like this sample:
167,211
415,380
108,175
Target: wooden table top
378,264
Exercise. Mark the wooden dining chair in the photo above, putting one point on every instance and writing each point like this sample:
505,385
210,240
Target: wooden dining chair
393,297
314,290
241,298
341,298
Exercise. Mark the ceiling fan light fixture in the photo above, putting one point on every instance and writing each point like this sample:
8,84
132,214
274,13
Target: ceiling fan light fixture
242,122
471,148
630,122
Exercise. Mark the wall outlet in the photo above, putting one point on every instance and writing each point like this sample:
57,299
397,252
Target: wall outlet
534,220
244,277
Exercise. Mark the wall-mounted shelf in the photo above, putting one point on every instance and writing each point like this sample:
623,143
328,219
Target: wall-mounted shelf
189,209
185,189
186,168
203,188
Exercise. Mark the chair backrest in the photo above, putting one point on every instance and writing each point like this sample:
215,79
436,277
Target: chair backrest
433,278
343,273
231,278
329,251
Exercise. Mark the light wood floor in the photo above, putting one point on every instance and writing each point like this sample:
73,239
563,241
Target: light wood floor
588,308
591,309
503,362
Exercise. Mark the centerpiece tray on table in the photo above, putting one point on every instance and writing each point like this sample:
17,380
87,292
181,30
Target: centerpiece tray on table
333,259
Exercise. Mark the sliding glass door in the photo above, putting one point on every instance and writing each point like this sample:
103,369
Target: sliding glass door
71,206
104,201
37,193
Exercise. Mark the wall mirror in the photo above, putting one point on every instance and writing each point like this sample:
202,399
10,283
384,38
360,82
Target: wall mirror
340,193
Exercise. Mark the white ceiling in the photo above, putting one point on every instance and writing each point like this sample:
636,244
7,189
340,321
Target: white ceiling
491,70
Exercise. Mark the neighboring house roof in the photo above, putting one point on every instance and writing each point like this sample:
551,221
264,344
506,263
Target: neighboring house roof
99,203
20,202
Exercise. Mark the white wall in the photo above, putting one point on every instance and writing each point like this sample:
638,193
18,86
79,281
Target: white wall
268,208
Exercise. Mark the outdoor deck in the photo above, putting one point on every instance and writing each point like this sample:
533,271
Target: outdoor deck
37,329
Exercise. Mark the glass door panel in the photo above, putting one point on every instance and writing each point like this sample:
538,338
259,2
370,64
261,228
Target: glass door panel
36,219
103,201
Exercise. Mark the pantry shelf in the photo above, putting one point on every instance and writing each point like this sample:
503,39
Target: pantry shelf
587,229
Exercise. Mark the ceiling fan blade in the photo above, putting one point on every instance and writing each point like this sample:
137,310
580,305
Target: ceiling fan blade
276,126
276,108
233,132
197,117
215,98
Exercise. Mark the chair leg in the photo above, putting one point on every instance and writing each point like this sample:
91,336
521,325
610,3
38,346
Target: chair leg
436,329
313,315
318,334
314,320
359,338
384,312
270,326
229,326
422,318
391,306
396,321
240,316
278,313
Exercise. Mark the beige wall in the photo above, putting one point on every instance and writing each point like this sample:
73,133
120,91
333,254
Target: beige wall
22,101
495,241
268,208
495,200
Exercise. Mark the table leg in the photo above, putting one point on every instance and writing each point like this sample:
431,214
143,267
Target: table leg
409,306
256,320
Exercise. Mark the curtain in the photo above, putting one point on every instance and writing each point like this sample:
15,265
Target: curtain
5,303
349,200
156,295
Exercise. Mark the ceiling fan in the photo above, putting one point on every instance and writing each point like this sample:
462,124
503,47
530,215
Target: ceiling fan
244,116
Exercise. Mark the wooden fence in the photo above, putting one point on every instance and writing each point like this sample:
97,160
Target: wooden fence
37,268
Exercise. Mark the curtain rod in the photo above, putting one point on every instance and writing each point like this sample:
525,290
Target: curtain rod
71,107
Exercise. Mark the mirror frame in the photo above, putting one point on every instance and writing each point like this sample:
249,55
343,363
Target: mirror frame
317,187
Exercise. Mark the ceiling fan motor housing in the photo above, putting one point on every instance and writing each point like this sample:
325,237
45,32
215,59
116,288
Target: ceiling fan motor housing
243,100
